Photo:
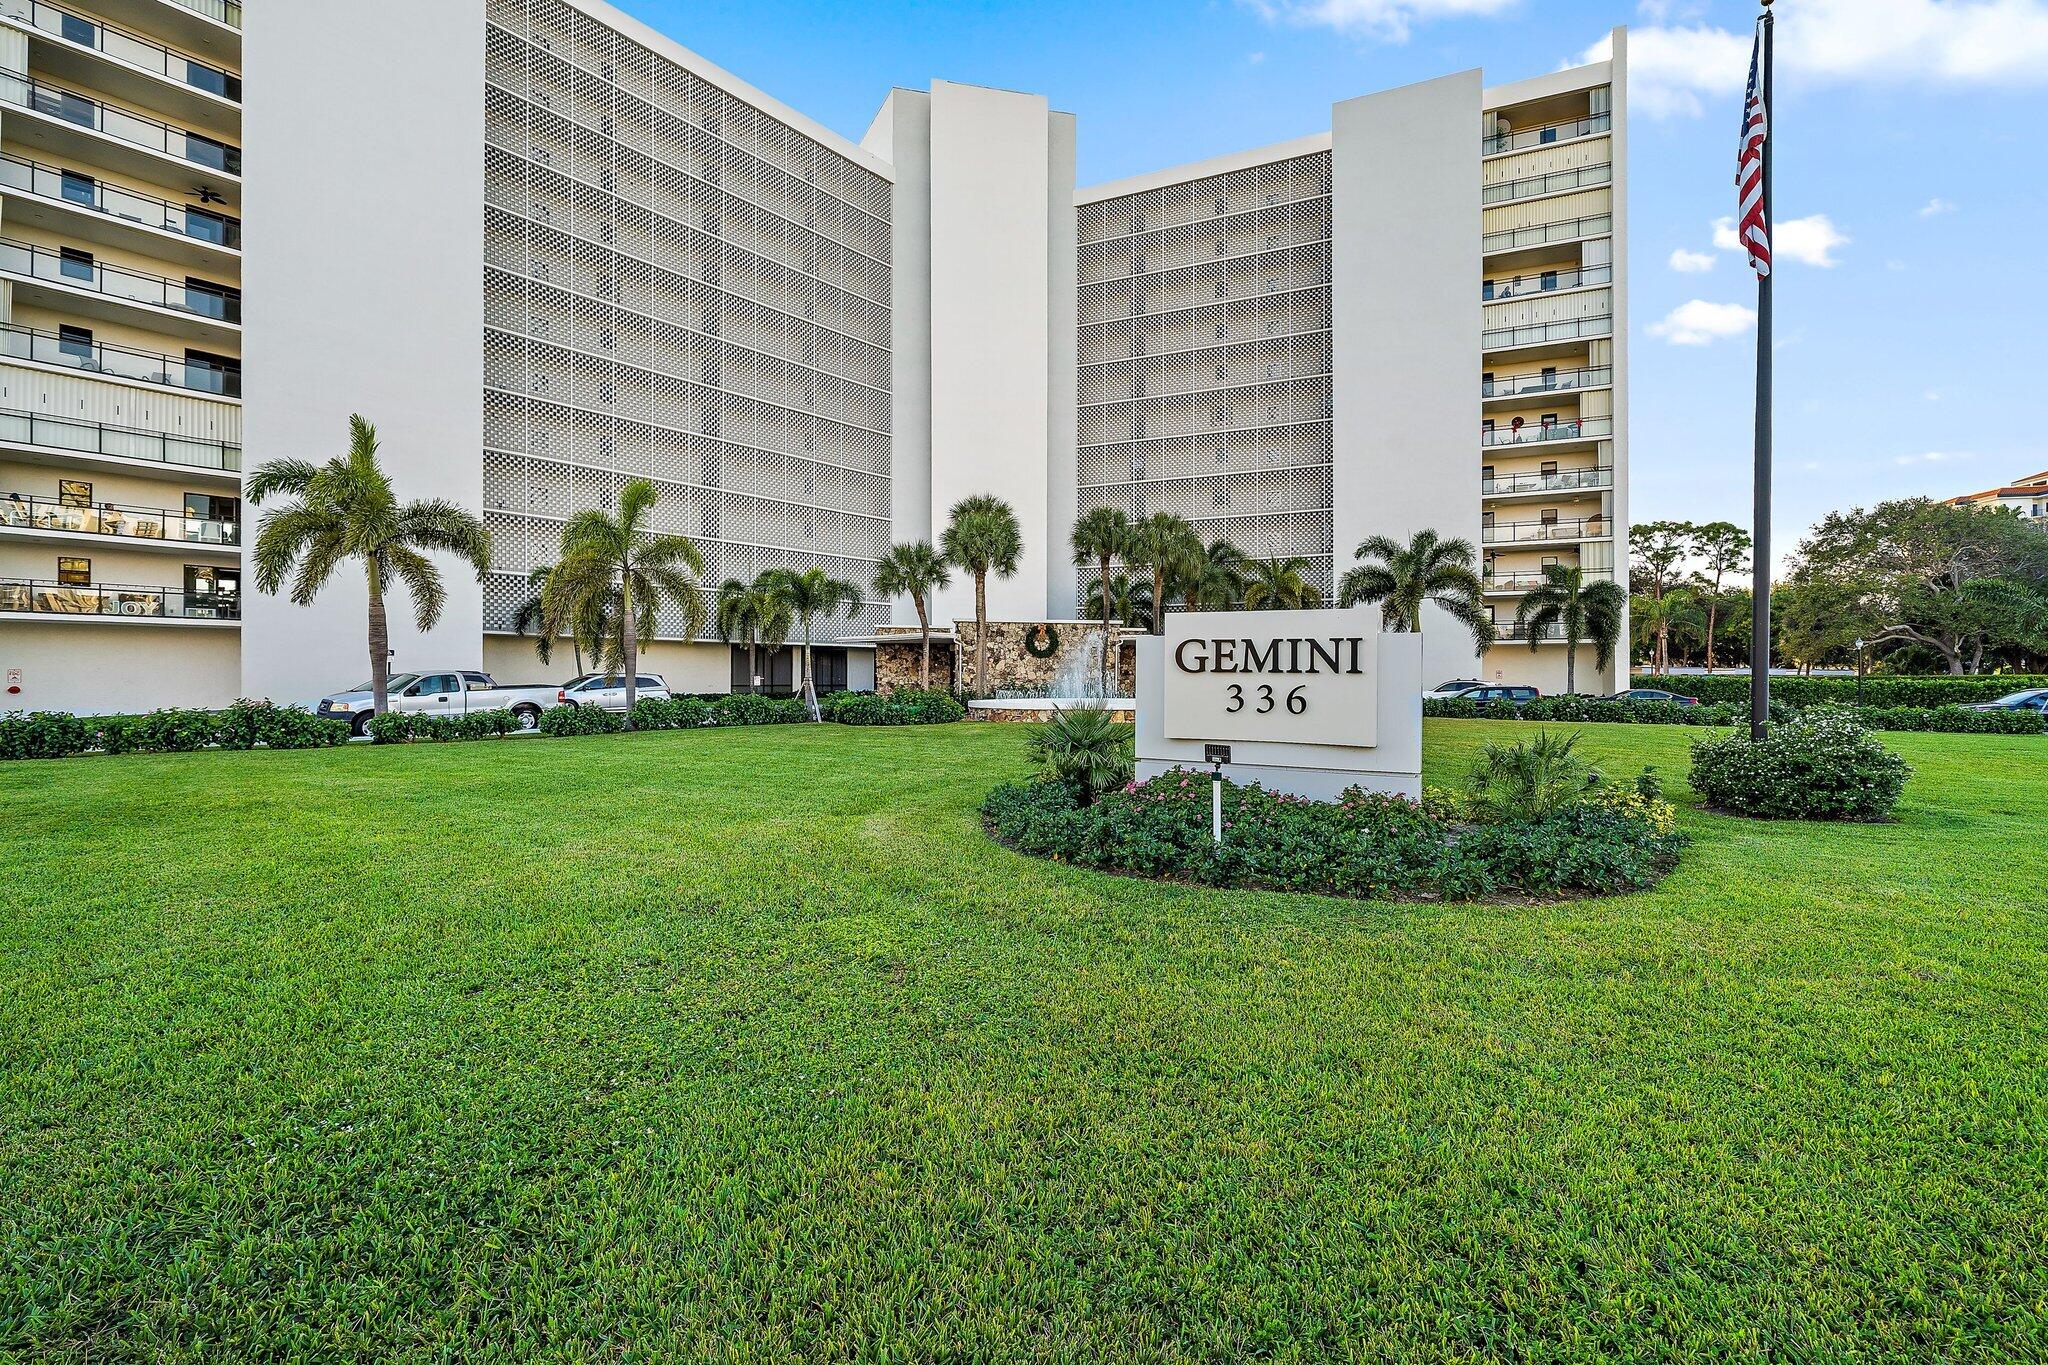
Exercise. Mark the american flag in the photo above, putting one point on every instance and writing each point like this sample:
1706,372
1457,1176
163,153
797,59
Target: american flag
1754,227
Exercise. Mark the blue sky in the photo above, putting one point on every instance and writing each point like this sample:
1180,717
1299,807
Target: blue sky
1912,151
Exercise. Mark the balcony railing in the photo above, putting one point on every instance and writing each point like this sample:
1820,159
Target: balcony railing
1557,481
130,286
116,599
86,192
1557,182
1534,578
1515,632
120,124
1536,433
122,362
1569,229
1565,329
1543,282
23,428
1547,134
27,513
227,12
124,46
1556,381
1534,532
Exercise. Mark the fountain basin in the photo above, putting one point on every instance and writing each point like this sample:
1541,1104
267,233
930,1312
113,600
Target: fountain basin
1040,709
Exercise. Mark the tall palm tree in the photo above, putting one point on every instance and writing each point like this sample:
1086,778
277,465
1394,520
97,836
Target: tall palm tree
1219,583
1170,548
734,619
1400,578
1128,600
1100,536
983,537
346,509
612,558
918,570
808,596
1583,609
586,635
1280,585
1659,617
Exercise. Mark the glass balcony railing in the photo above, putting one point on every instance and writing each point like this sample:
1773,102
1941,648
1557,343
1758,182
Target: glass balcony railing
124,46
24,512
80,271
1565,329
34,429
120,124
1552,381
117,599
1536,433
1557,182
1544,136
78,190
1525,579
227,12
1567,528
1543,282
122,362
1570,229
1515,632
1556,481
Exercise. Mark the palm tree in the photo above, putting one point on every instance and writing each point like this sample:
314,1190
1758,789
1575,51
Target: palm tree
808,596
346,509
1659,617
590,633
918,570
1169,547
1280,585
1400,578
1583,610
983,537
1128,600
1100,536
734,619
613,560
1219,583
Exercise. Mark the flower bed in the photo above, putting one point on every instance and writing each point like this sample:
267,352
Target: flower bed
1612,840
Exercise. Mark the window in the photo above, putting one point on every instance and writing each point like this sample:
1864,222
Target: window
1486,472
75,342
74,264
435,685
74,493
74,573
1549,516
213,300
641,680
828,670
207,586
77,30
209,152
1486,384
213,373
1549,469
1550,279
78,189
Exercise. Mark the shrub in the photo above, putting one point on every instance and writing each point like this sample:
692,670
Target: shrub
1527,780
907,706
245,723
393,727
43,734
1879,690
1950,719
655,713
751,708
1820,765
493,723
175,730
565,721
1083,747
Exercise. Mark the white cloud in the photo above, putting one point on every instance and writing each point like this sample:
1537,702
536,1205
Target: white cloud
1255,58
1933,457
1935,207
1812,240
1691,262
1700,323
1675,69
1390,20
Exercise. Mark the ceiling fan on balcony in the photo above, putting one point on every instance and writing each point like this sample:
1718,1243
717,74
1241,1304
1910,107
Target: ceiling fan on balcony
206,194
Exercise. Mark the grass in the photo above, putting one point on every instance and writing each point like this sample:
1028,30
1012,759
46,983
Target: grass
426,1054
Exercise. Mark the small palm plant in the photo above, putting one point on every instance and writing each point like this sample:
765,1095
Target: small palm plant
1125,599
1084,747
1400,578
1100,536
983,537
1280,585
1527,780
808,596
587,636
612,562
1171,549
1218,583
346,509
1580,609
915,570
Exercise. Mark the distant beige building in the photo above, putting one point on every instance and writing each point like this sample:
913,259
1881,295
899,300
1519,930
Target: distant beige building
2027,496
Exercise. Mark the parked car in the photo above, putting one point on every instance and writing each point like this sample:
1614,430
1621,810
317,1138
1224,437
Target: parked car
2033,699
455,692
1452,688
607,691
1514,695
1652,694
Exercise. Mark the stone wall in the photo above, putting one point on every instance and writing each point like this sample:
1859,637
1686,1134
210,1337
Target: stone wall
896,665
1011,667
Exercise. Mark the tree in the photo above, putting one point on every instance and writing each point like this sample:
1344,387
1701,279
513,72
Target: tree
808,596
1659,548
1658,617
1581,609
916,570
1400,578
1723,548
982,537
614,560
1168,546
1128,600
1219,583
586,635
1280,585
735,617
346,509
1101,535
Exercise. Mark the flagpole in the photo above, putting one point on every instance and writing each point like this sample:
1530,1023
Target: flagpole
1760,600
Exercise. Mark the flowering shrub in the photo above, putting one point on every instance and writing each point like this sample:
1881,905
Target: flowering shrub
1821,765
564,721
751,708
1363,845
43,734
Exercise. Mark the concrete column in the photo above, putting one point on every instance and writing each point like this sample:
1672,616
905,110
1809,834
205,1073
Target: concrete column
902,135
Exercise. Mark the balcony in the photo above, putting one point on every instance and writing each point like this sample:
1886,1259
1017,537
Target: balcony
1557,182
1541,333
1545,532
1537,433
70,443
120,362
126,64
119,294
1542,234
119,601
1505,583
1543,282
1494,144
133,143
1553,381
84,207
1557,481
40,517
1515,632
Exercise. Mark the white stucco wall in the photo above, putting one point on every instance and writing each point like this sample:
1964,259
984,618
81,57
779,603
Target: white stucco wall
93,669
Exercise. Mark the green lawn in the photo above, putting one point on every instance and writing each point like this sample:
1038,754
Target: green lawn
748,1045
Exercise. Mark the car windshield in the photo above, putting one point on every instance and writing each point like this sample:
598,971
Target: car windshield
2016,698
396,681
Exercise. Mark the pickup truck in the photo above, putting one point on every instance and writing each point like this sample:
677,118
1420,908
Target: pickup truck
452,693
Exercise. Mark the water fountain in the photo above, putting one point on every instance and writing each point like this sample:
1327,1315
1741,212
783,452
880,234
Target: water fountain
1077,681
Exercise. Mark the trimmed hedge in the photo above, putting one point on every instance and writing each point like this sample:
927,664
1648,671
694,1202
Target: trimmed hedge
565,721
1879,690
398,727
1951,720
244,725
906,706
1822,765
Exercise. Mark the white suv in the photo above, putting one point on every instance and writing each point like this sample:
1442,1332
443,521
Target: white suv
607,691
